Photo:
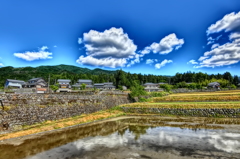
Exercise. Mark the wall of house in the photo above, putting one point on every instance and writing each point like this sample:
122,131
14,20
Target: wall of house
27,109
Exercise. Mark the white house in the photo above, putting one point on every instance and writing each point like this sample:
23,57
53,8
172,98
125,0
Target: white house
14,83
64,85
151,87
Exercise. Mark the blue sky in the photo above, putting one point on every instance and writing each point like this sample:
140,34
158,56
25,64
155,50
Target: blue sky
139,36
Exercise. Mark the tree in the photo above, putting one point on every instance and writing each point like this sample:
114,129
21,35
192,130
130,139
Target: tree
235,80
54,87
83,86
137,90
166,87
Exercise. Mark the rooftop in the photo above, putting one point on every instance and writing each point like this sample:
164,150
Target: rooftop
19,81
64,80
84,80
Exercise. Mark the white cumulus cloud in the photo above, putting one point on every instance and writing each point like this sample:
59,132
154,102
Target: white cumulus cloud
165,46
192,62
1,65
229,22
234,36
31,56
149,61
163,63
214,46
226,54
111,48
103,62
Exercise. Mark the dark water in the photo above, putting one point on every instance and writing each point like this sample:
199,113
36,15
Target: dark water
132,138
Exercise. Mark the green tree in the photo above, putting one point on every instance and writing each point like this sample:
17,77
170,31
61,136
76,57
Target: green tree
137,90
235,80
166,87
54,88
83,86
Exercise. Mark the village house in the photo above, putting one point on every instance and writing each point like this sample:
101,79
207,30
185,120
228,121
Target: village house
88,83
214,85
105,86
14,83
151,87
37,83
64,85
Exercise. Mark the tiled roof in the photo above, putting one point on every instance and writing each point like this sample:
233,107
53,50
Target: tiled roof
19,81
64,80
84,80
33,79
98,84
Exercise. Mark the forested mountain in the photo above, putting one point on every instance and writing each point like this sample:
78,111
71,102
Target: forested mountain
118,77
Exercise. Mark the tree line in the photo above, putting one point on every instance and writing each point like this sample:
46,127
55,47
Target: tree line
118,77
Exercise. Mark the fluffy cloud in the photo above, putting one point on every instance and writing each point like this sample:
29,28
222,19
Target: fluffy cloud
104,62
1,65
31,56
226,54
111,48
192,62
214,46
163,63
151,61
234,36
229,22
165,46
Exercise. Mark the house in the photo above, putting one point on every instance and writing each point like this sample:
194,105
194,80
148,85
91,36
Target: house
105,86
161,83
99,85
14,83
151,87
64,85
88,83
41,90
214,85
37,82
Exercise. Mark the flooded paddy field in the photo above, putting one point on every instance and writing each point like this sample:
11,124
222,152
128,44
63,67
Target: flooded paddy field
132,137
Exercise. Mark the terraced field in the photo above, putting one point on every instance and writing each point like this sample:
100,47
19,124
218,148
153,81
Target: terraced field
201,100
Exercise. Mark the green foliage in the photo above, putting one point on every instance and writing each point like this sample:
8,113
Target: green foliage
54,87
166,87
181,85
137,90
143,99
233,86
192,86
83,86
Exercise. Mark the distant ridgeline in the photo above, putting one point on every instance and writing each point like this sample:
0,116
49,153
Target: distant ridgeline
118,77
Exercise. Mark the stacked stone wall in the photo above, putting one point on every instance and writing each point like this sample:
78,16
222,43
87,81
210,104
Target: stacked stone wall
23,109
226,113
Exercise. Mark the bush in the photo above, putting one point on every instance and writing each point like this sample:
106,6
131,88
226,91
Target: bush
137,90
233,86
166,87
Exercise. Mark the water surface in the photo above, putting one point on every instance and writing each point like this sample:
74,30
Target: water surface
134,137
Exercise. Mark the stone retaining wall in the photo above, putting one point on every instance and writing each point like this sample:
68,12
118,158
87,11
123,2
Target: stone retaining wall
27,110
231,113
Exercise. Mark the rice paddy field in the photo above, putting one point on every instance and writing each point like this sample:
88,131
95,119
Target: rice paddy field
204,100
